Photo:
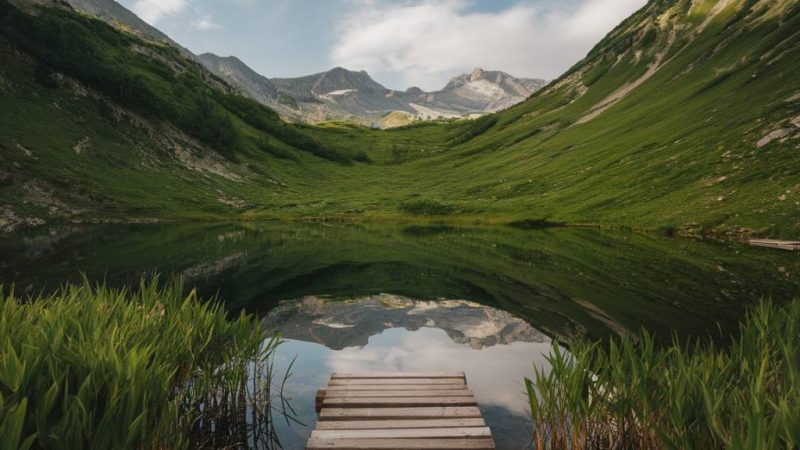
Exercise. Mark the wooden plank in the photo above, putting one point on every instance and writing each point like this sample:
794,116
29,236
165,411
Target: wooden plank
435,412
396,402
401,444
404,433
394,375
399,411
395,381
389,392
774,243
389,424
395,387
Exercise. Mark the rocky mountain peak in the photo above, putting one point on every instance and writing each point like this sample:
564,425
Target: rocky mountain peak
477,74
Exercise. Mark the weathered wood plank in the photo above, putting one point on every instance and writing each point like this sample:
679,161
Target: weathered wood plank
401,444
395,387
404,433
391,392
401,411
389,424
396,402
396,381
434,412
774,243
398,375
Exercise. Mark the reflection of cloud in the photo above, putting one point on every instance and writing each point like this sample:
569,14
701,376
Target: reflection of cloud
389,333
495,373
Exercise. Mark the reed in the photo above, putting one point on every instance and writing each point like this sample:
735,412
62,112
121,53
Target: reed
633,394
150,368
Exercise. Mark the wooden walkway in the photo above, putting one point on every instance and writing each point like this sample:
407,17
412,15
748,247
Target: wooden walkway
774,243
399,411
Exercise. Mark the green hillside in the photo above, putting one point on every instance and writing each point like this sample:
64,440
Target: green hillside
685,117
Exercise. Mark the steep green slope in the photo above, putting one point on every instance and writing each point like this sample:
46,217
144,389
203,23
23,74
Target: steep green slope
665,123
686,117
98,123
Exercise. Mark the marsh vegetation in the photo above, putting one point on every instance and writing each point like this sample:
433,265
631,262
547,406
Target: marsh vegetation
148,368
635,394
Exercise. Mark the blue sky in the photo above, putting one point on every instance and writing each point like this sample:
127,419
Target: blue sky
401,43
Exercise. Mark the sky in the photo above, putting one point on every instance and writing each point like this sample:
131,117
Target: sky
401,43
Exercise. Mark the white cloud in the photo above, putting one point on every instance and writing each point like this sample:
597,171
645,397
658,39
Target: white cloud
152,11
425,42
206,23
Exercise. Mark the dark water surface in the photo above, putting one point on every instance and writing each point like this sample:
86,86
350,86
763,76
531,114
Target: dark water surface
485,301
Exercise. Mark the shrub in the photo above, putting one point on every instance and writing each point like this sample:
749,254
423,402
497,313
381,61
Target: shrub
471,129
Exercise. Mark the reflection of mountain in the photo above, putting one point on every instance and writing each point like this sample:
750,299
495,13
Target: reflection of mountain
340,324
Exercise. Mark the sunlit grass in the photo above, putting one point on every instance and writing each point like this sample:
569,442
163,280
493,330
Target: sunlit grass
94,367
634,394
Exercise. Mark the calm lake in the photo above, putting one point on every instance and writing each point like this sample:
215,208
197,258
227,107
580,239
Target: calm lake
486,301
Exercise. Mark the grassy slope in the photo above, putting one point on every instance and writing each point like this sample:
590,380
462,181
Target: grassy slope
657,157
678,151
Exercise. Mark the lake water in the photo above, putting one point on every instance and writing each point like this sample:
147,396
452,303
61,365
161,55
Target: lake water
485,301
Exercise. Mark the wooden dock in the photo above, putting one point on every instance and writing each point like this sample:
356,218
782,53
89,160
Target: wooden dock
399,411
774,243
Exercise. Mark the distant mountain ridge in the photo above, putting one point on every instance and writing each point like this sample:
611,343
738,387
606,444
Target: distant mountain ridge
353,95
337,94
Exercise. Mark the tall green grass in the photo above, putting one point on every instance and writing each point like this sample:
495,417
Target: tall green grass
632,394
94,367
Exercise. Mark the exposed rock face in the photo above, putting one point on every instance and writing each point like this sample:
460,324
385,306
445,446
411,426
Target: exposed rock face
238,74
340,324
344,94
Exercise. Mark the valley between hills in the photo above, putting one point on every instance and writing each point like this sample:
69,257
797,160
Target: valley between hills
685,118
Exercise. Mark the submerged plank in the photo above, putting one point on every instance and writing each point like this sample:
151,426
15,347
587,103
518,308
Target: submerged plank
398,375
391,392
404,433
385,402
394,387
402,444
395,381
435,412
389,424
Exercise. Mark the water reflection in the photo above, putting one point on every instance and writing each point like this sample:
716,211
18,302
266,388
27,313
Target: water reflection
392,333
561,281
348,323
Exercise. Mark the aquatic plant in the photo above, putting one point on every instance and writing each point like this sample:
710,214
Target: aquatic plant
95,367
633,394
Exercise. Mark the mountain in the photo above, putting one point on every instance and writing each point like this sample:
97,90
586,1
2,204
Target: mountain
341,324
485,91
333,95
238,74
341,94
684,119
